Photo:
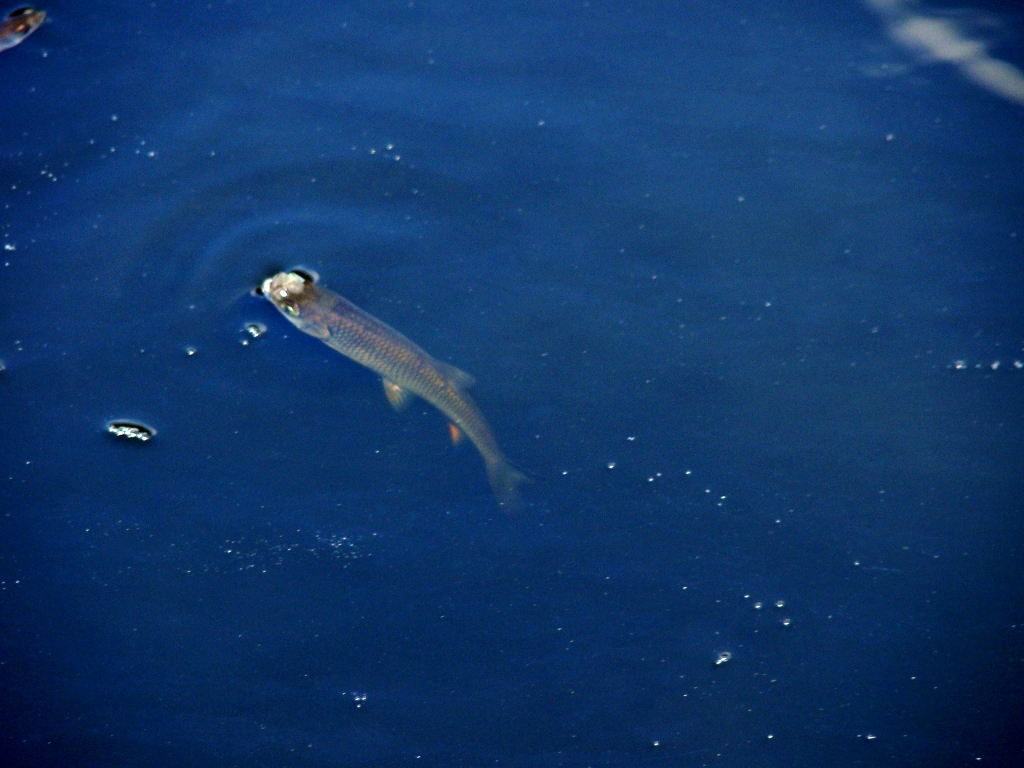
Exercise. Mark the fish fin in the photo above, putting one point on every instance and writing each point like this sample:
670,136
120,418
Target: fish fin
456,434
398,397
459,378
505,481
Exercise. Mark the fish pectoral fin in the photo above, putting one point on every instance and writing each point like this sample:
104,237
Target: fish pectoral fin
456,434
458,377
398,397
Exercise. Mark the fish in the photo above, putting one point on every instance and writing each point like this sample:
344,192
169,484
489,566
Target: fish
19,24
405,369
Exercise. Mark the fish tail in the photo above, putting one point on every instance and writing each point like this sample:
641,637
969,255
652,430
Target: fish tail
505,480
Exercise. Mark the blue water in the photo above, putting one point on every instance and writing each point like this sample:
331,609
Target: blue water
741,287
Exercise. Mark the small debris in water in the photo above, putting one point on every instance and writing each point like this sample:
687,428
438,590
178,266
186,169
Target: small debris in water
190,351
131,430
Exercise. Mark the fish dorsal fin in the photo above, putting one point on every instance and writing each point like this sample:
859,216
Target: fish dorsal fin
459,378
398,397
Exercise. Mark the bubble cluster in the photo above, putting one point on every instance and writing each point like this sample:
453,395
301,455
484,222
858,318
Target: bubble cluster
252,331
131,430
991,365
357,696
262,552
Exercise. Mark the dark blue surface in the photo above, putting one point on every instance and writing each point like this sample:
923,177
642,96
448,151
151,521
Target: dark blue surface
741,286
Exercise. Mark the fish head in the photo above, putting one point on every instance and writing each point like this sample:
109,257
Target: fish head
27,19
297,298
285,290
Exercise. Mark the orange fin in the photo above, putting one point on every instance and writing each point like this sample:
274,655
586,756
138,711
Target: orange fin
456,434
398,397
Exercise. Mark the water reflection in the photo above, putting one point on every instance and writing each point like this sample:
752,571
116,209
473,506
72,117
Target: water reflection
946,39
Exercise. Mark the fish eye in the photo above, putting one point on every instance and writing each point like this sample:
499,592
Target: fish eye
307,277
292,309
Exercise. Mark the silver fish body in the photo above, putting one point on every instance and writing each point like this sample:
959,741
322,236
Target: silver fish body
404,367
